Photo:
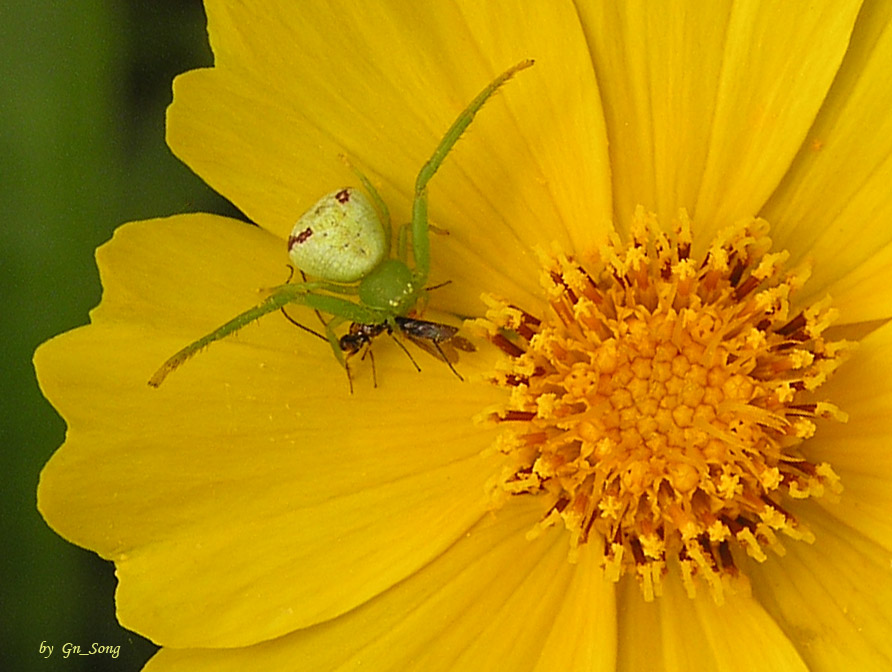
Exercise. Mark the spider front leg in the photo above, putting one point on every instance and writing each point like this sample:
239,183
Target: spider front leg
420,238
304,293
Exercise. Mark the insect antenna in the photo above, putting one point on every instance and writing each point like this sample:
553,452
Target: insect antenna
302,326
295,322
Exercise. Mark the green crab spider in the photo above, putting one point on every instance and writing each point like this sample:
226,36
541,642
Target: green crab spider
342,243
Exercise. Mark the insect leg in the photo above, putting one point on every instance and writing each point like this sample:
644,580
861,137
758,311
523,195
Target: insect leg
368,351
406,350
446,359
437,286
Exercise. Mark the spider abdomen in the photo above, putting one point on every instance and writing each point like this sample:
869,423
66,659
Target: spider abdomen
340,238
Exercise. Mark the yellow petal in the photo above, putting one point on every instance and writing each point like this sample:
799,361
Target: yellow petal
862,295
707,103
676,633
265,126
836,205
493,601
858,450
252,452
832,598
658,66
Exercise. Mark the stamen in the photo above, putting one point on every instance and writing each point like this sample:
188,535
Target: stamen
663,403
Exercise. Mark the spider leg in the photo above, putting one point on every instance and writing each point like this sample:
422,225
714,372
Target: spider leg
281,296
335,344
318,314
349,377
376,199
303,293
420,228
402,243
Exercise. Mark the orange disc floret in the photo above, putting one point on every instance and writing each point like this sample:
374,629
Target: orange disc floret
662,402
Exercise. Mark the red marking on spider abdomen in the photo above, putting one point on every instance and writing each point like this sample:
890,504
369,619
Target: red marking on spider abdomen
299,238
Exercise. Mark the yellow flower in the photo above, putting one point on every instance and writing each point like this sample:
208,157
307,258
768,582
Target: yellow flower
616,485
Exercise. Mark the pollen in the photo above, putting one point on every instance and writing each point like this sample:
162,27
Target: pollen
662,404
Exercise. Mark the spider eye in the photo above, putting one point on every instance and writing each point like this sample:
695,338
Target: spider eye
340,238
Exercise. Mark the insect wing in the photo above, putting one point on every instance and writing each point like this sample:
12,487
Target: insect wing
462,344
439,340
442,351
430,331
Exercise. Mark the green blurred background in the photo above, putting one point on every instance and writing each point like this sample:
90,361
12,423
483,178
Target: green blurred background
83,87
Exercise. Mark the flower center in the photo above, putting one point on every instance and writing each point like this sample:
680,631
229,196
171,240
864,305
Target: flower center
662,402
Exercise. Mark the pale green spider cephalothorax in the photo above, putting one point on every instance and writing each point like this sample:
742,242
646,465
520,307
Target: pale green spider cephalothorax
344,245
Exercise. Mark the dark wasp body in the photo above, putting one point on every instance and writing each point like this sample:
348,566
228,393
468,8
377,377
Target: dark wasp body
440,340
